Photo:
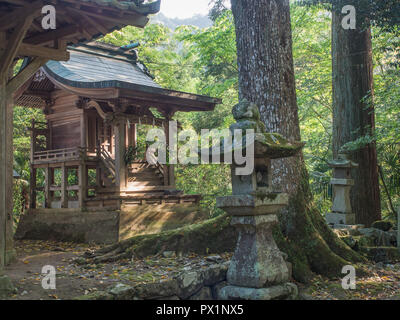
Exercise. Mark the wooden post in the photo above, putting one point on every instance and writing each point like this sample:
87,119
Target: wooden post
33,138
47,182
6,136
64,185
134,135
131,135
84,128
169,173
120,166
49,137
10,251
32,189
82,184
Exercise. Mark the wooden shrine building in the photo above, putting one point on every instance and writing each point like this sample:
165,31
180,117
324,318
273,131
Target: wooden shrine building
22,36
93,104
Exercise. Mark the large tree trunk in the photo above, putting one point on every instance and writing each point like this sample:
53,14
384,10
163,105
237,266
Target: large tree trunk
266,77
3,209
353,115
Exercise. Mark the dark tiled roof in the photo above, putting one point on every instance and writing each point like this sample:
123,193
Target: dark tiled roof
134,5
94,66
88,65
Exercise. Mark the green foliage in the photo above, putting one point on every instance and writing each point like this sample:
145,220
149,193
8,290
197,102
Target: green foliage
203,61
129,155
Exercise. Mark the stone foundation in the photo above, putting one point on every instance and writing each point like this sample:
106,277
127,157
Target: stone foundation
284,291
69,225
155,218
192,285
106,226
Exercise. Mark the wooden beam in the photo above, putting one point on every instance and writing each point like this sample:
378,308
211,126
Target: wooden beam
16,2
28,50
19,15
47,37
134,19
44,52
15,83
46,95
14,43
95,23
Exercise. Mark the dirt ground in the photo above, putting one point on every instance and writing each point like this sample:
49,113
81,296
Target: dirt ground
74,279
382,282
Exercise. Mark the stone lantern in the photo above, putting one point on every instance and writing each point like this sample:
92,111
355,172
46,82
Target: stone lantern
257,269
342,182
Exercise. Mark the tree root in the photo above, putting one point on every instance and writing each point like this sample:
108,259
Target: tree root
310,244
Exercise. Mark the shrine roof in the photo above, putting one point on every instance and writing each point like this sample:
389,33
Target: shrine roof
99,65
101,71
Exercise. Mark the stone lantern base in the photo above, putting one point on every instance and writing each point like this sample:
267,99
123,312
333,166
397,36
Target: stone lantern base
257,270
340,218
284,291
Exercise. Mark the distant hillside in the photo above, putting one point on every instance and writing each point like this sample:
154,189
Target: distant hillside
172,23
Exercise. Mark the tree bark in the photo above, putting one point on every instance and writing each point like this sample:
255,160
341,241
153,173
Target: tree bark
3,206
266,78
353,115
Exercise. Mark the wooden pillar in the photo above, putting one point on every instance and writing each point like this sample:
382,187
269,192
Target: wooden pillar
169,172
47,183
128,140
64,186
10,251
120,143
83,176
134,135
131,135
84,128
6,137
32,189
33,138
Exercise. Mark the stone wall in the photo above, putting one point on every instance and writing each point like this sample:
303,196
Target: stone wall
106,226
192,285
69,225
154,218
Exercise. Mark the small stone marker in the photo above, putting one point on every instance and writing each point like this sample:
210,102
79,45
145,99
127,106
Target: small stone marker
257,270
342,213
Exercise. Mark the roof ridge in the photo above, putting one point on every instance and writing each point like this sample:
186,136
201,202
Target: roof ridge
105,49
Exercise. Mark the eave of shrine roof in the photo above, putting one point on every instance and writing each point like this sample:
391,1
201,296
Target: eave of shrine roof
86,68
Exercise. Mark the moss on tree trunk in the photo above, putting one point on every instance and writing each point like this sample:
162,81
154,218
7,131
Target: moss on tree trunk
266,78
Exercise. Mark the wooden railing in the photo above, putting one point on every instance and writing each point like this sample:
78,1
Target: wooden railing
62,154
107,159
163,170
